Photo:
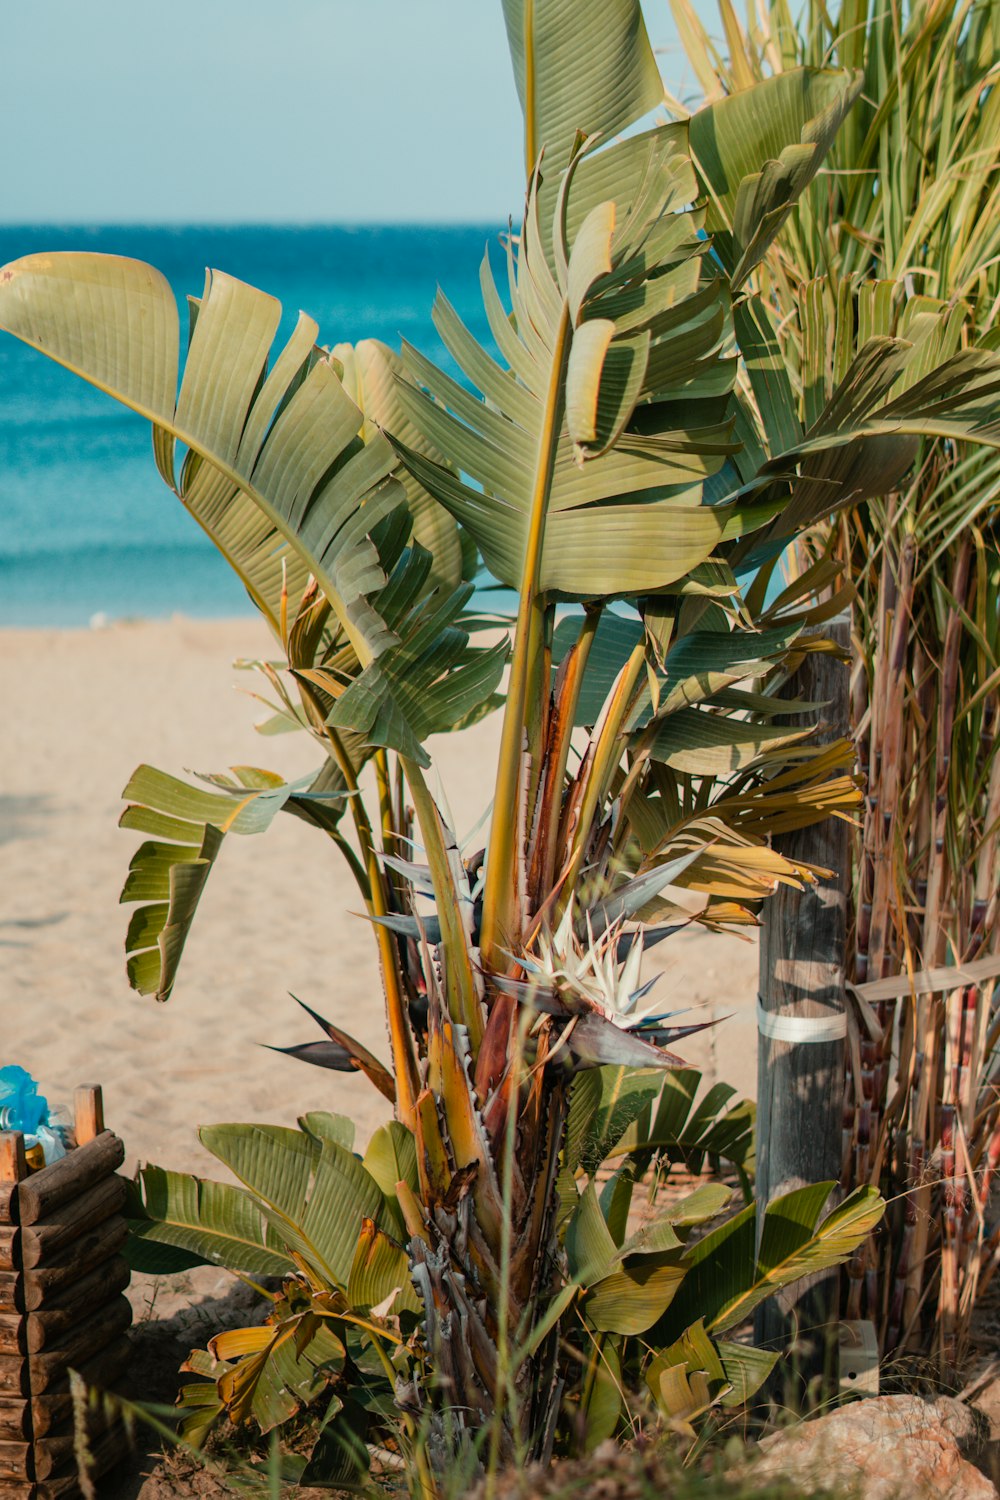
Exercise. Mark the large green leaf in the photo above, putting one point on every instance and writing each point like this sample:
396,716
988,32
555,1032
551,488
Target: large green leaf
629,519
579,65
177,1220
704,743
431,682
370,371
634,1297
727,1277
315,1194
380,1270
757,150
391,1158
275,469
624,1094
697,665
188,824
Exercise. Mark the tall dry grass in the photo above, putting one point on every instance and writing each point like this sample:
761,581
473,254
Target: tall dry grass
903,223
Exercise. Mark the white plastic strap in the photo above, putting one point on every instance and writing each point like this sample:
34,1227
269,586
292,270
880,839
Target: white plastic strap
782,1028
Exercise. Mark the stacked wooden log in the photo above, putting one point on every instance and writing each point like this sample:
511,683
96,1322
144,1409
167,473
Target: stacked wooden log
62,1308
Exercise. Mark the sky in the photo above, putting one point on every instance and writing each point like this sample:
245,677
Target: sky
262,111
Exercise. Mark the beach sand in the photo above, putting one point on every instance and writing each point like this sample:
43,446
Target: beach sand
81,710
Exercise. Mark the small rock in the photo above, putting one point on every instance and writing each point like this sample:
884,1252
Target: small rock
881,1449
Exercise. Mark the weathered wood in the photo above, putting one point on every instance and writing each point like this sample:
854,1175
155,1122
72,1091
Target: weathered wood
13,1334
13,1166
88,1111
800,1084
42,1329
81,1344
50,1410
11,1299
15,1461
51,1455
65,1487
69,1177
15,1419
44,1282
54,1447
41,1242
9,1243
106,1452
14,1376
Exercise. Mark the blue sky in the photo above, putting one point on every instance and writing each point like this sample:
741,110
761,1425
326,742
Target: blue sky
270,111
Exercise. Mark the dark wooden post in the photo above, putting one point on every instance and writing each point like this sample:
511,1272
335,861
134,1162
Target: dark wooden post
800,1058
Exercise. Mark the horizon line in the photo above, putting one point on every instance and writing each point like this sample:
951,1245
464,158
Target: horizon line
348,224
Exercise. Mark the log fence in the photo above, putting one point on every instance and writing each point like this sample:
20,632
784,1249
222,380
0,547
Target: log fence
62,1305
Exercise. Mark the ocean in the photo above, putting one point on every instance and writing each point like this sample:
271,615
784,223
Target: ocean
88,531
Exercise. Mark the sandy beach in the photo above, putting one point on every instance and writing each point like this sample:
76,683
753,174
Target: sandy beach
82,710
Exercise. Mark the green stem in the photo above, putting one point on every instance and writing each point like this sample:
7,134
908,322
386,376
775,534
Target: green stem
404,1058
499,894
460,984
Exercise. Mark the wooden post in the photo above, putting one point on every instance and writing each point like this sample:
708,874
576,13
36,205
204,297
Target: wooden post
88,1109
13,1166
800,1079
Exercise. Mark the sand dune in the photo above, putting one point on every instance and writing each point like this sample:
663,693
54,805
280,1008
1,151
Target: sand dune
81,710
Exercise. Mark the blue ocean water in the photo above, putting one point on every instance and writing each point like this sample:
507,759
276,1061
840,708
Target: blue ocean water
86,525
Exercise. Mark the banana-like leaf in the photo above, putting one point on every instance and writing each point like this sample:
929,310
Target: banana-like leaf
268,1372
323,1126
606,1397
188,824
746,1370
697,1372
688,1377
704,743
313,1194
660,1234
380,1271
697,665
602,1110
757,151
630,519
431,682
630,1286
553,46
718,1126
275,470
633,1298
177,1221
370,377
391,1158
727,1278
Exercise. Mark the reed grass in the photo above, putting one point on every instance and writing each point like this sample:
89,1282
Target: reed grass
905,220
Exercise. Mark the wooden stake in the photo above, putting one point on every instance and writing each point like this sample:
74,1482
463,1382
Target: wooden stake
800,1083
88,1109
13,1169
